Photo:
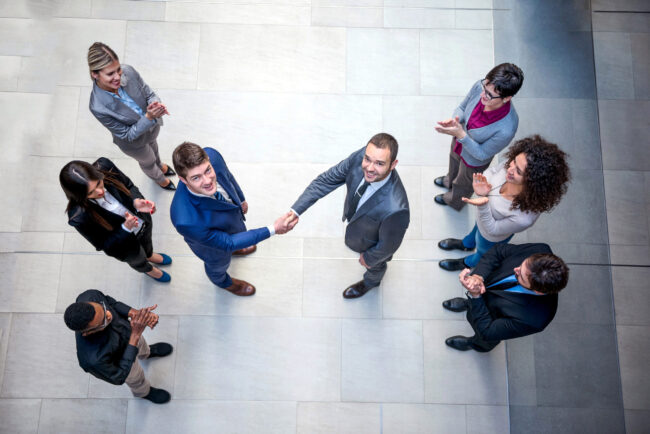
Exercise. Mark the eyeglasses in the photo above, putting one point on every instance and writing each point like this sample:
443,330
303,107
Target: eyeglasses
99,327
488,95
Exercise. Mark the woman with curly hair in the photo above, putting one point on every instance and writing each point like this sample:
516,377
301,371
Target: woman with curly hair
532,181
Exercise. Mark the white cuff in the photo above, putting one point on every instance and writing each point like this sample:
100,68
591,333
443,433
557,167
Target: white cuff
294,211
271,229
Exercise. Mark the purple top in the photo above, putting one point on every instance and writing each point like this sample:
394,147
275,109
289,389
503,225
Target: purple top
480,118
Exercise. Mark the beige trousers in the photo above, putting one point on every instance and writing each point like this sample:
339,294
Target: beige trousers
148,157
139,385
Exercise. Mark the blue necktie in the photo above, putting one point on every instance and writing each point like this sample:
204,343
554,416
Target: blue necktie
219,196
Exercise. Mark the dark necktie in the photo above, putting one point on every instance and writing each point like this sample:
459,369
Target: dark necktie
503,286
219,196
356,198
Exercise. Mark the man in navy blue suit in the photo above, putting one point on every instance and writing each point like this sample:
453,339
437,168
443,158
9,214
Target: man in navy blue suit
208,211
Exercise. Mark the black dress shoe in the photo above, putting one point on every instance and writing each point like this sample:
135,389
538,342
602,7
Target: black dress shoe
457,304
440,182
170,171
158,396
439,200
460,343
453,244
356,290
170,186
161,349
452,264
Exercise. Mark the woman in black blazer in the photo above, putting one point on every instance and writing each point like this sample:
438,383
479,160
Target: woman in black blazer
109,211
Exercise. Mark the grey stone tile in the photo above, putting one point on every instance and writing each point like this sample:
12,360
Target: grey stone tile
324,281
82,415
12,198
630,295
565,420
581,253
630,255
634,357
9,71
382,361
587,299
41,358
637,421
291,13
339,417
621,150
474,19
5,327
258,359
347,16
211,416
29,282
267,58
428,286
126,10
349,3
420,3
424,418
522,389
411,177
620,22
31,242
640,42
467,57
620,5
19,415
487,419
18,138
92,139
159,372
613,59
419,18
172,50
382,61
455,377
623,189
576,365
18,37
586,136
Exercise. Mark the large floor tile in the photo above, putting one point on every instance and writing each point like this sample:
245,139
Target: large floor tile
630,255
623,189
234,13
126,10
347,16
258,359
634,355
522,384
342,418
641,63
42,360
621,150
619,22
565,420
630,295
9,71
172,50
18,37
586,254
5,327
576,365
272,58
613,59
637,421
621,5
82,415
382,61
18,137
62,124
382,361
29,283
452,60
196,416
419,18
487,419
424,418
587,299
455,377
19,415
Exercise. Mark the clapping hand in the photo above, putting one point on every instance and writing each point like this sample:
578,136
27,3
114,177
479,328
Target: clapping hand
451,127
143,205
472,282
155,110
130,221
477,201
481,185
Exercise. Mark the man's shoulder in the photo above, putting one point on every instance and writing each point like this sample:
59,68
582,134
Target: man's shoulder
182,208
530,248
397,194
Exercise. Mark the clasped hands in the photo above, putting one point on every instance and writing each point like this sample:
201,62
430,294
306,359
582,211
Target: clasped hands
155,110
472,282
451,127
482,188
142,318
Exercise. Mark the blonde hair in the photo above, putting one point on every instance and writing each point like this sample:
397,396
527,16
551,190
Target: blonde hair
100,56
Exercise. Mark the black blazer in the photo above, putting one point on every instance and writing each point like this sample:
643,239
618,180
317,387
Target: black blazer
499,314
117,242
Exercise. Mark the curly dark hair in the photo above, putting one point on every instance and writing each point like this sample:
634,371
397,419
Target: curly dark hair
546,176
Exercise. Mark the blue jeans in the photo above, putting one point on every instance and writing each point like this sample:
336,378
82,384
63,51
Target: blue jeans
474,240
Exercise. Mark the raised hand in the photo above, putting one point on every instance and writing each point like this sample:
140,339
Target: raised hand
480,184
451,127
130,221
155,110
143,205
476,201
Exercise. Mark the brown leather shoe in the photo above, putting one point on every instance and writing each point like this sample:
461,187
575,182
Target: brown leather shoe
244,252
241,288
355,290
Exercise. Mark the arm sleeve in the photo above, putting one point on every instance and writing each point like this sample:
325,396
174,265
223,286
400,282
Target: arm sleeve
504,227
460,110
222,240
492,329
118,306
391,234
487,149
106,164
116,237
123,131
116,373
324,184
492,259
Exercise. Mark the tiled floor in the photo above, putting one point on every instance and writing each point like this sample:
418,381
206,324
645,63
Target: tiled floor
284,89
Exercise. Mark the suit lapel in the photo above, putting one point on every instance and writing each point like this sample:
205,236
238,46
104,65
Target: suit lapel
374,200
210,204
131,87
117,107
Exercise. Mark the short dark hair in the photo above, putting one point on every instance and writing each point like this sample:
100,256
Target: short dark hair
186,156
506,78
78,315
383,141
548,273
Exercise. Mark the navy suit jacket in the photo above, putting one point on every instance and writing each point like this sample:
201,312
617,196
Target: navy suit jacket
214,228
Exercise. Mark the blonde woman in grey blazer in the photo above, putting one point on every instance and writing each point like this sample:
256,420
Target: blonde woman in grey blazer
131,111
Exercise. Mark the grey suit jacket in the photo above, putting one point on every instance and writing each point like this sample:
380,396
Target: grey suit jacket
378,226
128,128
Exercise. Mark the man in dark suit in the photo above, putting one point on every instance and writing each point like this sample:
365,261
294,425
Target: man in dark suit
512,292
208,211
376,206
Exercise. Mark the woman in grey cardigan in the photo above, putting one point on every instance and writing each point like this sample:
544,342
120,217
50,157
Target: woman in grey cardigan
131,111
481,126
532,181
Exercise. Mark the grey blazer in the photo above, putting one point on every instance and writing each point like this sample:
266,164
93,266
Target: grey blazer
481,144
129,129
378,226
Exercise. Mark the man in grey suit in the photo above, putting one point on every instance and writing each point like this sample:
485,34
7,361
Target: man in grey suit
376,206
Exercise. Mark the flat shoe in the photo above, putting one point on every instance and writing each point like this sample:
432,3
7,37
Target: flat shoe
170,186
457,304
439,200
166,260
452,264
453,244
460,343
162,279
440,182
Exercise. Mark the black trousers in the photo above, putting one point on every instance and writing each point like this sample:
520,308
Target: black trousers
137,259
478,343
